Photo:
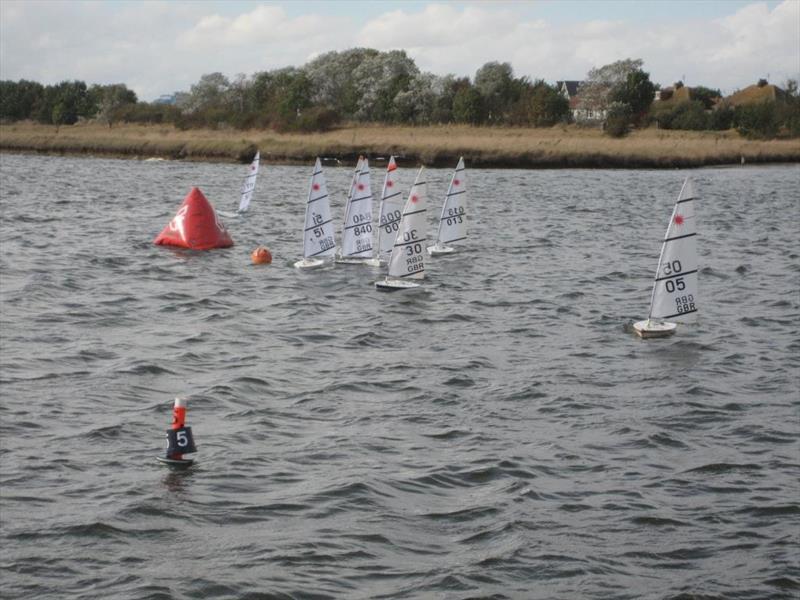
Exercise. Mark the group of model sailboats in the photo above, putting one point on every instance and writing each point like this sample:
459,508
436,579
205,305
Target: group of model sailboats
402,237
401,227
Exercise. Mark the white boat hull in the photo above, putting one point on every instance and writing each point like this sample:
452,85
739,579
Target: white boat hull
654,329
309,263
439,250
394,285
347,260
375,262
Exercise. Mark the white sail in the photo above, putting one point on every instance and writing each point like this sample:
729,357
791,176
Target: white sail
453,222
249,184
675,292
407,260
318,232
357,229
390,211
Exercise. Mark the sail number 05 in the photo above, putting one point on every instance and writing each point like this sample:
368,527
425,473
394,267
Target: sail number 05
671,268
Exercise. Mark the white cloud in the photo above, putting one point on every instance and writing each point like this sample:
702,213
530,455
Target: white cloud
159,47
264,25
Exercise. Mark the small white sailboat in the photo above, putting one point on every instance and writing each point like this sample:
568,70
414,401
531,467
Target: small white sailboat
357,229
318,241
406,263
453,221
248,187
674,298
391,209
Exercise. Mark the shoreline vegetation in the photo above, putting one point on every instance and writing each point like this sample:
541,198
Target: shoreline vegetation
561,146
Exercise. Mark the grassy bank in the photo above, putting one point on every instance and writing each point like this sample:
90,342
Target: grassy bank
566,146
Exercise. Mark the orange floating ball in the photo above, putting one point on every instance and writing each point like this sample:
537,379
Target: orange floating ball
261,256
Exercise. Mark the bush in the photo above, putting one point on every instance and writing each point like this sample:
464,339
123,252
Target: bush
757,121
721,118
690,115
143,112
684,115
619,119
311,120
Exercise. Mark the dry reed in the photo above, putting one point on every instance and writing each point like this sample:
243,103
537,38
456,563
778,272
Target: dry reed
563,146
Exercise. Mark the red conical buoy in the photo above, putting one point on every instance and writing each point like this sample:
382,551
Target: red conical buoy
179,437
195,226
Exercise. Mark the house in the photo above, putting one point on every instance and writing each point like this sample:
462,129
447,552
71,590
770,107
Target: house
568,89
675,94
582,109
165,99
755,94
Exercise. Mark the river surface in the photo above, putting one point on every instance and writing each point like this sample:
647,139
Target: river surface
500,435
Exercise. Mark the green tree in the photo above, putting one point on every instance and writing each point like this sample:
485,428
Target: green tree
637,91
333,81
540,105
210,92
496,84
690,116
595,92
721,118
758,121
19,100
417,104
708,96
468,106
618,120
109,99
445,89
789,109
65,103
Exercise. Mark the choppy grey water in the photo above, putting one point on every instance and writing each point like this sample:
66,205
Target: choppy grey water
501,435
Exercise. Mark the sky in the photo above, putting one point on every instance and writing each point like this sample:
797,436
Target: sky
159,47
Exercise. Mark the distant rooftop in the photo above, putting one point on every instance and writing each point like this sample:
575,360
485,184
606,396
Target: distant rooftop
165,99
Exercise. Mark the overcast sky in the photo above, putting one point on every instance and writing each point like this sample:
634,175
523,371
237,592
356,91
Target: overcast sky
158,47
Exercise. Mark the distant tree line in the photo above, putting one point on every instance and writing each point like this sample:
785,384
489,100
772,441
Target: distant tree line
368,86
357,85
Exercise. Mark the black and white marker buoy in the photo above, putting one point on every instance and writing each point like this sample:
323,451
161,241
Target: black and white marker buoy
179,438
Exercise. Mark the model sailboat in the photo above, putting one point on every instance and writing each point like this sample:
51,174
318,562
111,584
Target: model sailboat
318,242
248,187
674,298
391,209
453,221
357,229
406,263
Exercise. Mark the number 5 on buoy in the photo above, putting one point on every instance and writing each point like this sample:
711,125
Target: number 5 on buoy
179,438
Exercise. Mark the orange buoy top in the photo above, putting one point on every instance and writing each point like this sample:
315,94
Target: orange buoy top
261,256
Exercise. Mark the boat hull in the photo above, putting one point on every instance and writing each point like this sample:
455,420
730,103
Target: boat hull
654,329
309,263
175,462
344,260
375,262
395,285
439,250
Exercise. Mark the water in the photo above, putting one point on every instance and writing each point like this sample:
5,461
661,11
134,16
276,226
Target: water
501,435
